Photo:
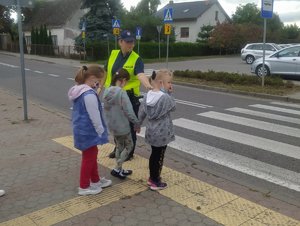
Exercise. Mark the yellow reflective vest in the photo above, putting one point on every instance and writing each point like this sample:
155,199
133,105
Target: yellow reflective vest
134,82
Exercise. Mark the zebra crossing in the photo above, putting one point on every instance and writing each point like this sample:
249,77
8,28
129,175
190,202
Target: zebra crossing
274,119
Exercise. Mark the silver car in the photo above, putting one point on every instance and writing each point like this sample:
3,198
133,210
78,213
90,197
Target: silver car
254,51
283,62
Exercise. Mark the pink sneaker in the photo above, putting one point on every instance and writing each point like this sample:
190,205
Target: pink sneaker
158,185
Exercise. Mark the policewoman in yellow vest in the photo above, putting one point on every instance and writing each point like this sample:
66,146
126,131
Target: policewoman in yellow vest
126,58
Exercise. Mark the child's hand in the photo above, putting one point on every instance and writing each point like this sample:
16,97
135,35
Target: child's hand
137,129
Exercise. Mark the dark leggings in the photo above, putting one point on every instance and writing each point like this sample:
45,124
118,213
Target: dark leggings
156,162
135,105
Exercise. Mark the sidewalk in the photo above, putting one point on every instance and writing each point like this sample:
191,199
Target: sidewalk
39,169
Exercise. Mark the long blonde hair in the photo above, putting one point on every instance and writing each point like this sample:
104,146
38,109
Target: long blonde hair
86,71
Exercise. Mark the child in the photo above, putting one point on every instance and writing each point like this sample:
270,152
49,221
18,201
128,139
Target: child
118,112
156,106
89,128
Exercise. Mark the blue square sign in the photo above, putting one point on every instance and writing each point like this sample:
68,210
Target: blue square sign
267,8
168,15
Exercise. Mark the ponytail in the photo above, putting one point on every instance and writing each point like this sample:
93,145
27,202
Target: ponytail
86,71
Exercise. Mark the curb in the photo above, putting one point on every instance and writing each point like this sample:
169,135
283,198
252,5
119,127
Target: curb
224,90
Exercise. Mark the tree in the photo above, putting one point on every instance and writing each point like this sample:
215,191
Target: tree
6,21
205,32
98,19
247,14
291,33
225,36
147,7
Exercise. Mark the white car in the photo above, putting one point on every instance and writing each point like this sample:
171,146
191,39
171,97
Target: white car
283,62
253,51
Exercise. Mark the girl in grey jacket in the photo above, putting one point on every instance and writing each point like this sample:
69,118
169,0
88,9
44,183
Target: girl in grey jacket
118,112
156,107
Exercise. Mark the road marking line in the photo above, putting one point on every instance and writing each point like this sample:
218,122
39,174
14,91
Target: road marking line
265,115
286,104
9,65
274,174
192,104
290,111
39,72
54,75
184,102
72,79
27,69
275,128
242,138
182,188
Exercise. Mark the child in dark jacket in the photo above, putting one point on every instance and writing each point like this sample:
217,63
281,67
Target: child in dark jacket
156,107
89,128
118,112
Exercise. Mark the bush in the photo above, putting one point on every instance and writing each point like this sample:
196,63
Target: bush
149,50
230,78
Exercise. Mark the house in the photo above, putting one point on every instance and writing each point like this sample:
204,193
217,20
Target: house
60,16
189,17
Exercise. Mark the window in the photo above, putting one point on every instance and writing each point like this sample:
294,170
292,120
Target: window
184,32
54,40
217,16
291,52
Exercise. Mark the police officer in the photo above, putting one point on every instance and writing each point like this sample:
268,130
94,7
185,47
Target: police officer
128,59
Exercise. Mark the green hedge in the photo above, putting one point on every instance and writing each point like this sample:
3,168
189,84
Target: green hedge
230,78
149,50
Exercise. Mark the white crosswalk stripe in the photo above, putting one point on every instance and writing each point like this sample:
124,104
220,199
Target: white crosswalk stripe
238,137
265,115
253,123
286,104
237,162
264,120
285,110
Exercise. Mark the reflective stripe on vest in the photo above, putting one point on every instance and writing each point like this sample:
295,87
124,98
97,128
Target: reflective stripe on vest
134,82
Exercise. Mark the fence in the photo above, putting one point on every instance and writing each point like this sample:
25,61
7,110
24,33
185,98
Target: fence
72,52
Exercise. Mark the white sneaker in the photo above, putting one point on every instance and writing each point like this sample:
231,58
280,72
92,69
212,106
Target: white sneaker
102,183
89,191
2,192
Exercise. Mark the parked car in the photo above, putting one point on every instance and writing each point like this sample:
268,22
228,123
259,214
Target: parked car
283,62
253,51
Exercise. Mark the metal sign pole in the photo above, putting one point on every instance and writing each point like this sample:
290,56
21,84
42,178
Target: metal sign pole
159,45
264,54
167,56
138,46
116,42
22,60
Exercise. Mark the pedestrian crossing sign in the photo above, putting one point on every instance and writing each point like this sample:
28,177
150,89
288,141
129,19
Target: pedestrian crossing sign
168,15
116,24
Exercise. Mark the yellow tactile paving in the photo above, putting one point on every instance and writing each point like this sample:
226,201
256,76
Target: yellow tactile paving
200,204
270,217
50,215
217,204
20,221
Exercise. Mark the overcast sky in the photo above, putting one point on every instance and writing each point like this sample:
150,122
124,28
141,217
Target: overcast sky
288,10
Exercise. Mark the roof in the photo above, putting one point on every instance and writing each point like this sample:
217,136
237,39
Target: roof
54,14
189,10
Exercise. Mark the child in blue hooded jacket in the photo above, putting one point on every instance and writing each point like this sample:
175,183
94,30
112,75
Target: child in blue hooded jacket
89,128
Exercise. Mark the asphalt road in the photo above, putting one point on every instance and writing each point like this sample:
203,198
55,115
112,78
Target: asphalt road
251,141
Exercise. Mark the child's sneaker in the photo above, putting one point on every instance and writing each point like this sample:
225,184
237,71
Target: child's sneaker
89,191
158,185
126,172
149,181
118,173
102,183
2,192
